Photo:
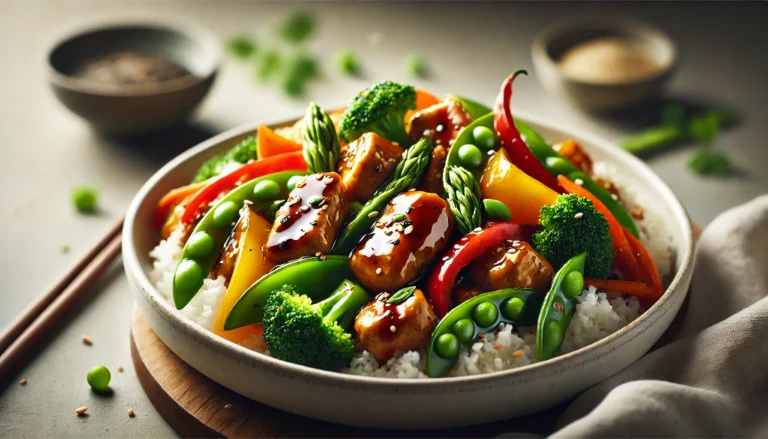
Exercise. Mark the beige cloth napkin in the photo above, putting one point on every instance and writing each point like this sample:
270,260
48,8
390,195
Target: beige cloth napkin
712,381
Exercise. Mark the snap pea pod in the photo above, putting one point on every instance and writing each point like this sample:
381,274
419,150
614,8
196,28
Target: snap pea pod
559,165
210,233
465,137
316,277
480,314
406,176
556,314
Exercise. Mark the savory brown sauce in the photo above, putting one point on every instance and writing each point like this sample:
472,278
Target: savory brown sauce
130,68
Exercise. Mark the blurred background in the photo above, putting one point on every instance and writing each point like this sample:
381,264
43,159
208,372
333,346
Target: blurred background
460,48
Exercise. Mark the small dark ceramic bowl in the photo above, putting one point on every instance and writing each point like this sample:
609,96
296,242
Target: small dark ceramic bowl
136,108
555,41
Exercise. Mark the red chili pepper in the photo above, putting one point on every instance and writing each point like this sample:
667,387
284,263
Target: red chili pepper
519,153
443,278
290,161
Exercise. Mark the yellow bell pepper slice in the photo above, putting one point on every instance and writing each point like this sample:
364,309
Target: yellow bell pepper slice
250,266
522,194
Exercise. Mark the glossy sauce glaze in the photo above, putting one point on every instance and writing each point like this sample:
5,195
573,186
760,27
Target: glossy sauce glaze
385,328
308,221
415,226
227,258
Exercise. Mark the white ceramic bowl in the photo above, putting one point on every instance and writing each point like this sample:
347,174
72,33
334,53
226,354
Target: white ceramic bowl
406,404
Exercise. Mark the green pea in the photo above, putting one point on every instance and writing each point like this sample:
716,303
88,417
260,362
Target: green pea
470,156
573,284
199,245
464,330
447,346
485,314
189,276
484,137
497,210
293,181
224,214
553,335
98,378
266,190
558,165
513,308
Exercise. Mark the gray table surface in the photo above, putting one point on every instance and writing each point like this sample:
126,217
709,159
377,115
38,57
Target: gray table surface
47,150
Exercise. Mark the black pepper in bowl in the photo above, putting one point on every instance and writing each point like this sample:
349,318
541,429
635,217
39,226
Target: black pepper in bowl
131,68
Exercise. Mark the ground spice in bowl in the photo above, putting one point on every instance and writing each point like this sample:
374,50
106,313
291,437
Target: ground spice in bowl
609,60
130,68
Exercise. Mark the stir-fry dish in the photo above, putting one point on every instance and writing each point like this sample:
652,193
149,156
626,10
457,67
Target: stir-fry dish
406,236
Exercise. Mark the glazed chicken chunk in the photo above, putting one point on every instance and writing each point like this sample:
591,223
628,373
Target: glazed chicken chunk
513,265
442,122
308,221
366,163
414,227
384,329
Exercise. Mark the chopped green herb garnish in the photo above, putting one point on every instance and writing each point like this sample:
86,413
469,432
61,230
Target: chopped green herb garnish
64,249
708,162
347,62
704,128
299,71
241,47
416,66
268,64
298,27
85,198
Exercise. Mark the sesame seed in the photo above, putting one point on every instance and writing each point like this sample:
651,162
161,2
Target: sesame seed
373,214
491,153
325,207
294,200
408,230
321,257
305,209
615,197
302,183
120,368
393,328
248,202
446,258
579,215
579,181
23,382
228,406
81,411
327,180
478,229
318,254
379,271
411,190
131,413
87,341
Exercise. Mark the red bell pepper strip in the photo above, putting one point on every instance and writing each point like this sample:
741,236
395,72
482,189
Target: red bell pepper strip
648,270
625,258
290,161
519,153
443,277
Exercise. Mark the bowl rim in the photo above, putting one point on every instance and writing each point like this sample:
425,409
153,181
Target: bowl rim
540,46
186,28
133,268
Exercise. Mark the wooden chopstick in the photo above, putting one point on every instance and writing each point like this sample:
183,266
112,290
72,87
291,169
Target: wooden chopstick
25,331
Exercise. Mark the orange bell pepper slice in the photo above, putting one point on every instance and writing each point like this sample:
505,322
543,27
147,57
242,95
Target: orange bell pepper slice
644,293
269,143
172,198
648,270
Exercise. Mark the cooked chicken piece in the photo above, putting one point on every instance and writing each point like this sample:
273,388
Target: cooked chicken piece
432,181
295,131
308,221
228,255
414,227
366,163
442,122
574,154
513,265
384,328
464,293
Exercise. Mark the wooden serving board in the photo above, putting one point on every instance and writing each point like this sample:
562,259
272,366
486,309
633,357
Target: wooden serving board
196,406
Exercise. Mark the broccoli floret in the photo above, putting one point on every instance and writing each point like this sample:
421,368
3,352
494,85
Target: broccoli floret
380,109
572,226
239,154
314,335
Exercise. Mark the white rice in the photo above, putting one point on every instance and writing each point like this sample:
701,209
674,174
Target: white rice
508,347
